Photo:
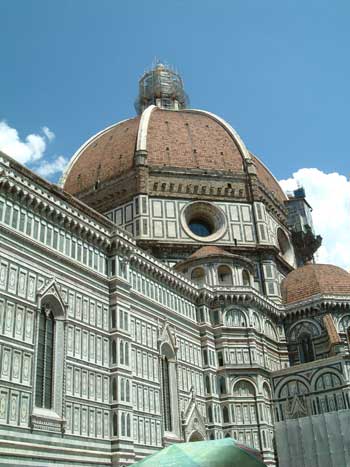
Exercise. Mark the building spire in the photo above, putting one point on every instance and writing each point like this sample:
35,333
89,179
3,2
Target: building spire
163,87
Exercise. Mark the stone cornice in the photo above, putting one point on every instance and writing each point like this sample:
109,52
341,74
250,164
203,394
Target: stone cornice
247,296
161,272
58,211
316,303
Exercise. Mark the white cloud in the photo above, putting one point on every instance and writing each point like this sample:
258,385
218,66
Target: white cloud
31,150
50,135
329,196
48,168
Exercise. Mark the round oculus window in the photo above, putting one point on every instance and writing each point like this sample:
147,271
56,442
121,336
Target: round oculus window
203,221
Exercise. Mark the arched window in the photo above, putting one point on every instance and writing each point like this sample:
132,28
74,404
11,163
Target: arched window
44,369
306,349
235,318
244,389
304,327
207,384
115,424
292,388
244,410
270,330
127,391
222,385
210,413
225,275
198,276
256,322
122,389
126,353
246,277
225,415
267,404
123,430
327,381
128,425
121,352
227,435
114,389
114,318
211,436
114,352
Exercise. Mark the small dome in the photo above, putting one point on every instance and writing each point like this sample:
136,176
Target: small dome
210,250
314,279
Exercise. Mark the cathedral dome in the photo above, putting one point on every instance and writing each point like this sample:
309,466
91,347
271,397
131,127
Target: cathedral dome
176,139
314,279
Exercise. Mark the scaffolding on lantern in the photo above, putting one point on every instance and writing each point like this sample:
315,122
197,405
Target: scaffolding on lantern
162,87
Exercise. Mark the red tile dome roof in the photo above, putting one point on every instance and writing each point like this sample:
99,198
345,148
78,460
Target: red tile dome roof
184,139
314,279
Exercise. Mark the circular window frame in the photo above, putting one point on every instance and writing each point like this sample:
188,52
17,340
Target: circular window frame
211,214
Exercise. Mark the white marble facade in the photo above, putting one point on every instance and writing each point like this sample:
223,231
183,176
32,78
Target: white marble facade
138,355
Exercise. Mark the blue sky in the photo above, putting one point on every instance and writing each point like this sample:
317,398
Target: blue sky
278,71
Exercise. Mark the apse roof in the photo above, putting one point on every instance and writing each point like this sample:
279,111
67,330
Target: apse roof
314,279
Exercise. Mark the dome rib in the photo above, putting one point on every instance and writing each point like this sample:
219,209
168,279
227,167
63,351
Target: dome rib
141,144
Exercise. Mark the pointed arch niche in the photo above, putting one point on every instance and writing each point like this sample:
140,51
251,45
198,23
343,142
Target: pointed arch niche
169,386
49,362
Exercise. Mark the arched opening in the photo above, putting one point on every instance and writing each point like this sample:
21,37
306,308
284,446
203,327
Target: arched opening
306,348
198,276
246,278
225,275
195,436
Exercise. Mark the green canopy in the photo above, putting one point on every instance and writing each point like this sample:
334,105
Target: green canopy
217,453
